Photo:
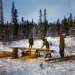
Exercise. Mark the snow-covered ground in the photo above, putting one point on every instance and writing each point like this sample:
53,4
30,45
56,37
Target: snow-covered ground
38,66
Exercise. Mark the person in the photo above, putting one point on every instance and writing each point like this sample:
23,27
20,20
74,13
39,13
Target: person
30,41
46,44
61,45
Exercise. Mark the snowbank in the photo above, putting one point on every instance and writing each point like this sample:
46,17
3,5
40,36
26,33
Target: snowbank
38,66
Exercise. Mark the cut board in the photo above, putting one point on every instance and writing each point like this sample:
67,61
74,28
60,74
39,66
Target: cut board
37,49
66,58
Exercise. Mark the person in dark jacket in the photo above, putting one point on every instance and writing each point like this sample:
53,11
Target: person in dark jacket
61,45
30,41
46,44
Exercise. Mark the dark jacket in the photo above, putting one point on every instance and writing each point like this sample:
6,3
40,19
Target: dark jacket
31,40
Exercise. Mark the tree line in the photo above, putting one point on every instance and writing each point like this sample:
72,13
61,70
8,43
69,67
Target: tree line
19,30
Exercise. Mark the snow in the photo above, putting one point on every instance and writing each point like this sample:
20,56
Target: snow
9,66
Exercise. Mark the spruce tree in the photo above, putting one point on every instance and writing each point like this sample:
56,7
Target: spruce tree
40,18
14,20
40,28
22,21
12,13
70,20
58,27
65,26
45,24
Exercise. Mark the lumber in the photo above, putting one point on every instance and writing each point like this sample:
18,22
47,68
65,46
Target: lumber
62,58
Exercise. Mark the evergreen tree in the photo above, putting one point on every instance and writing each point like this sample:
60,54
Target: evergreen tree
45,15
15,23
65,26
40,28
40,18
45,24
12,13
15,17
1,21
52,29
58,26
14,20
32,21
70,20
22,21
72,29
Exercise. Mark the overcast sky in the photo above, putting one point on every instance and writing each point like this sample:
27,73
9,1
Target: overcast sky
30,9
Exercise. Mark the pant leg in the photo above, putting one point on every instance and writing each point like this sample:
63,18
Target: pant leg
31,46
62,53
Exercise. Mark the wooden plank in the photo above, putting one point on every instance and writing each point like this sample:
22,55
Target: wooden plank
63,58
41,49
37,49
24,48
33,49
